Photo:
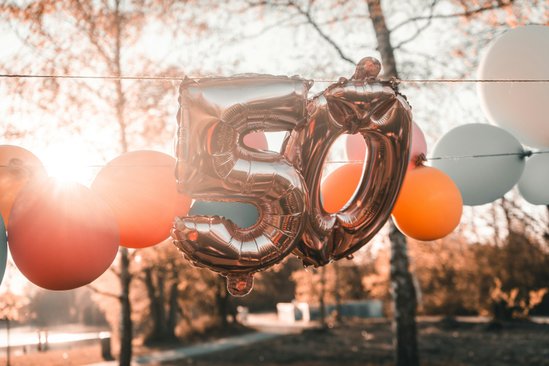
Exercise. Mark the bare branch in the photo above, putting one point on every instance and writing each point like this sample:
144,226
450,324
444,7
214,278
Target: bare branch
92,34
314,24
420,29
103,293
467,13
115,271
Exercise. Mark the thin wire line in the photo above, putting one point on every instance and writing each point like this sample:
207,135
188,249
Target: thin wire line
181,78
476,156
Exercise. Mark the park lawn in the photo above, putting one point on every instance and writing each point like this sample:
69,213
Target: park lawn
355,342
368,342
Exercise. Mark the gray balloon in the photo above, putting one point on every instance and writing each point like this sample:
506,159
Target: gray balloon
481,179
3,249
242,214
535,179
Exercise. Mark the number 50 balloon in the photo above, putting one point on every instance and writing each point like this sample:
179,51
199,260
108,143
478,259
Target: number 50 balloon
214,164
383,117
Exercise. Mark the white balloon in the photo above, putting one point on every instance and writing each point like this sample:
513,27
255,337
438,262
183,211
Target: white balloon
535,179
522,108
481,179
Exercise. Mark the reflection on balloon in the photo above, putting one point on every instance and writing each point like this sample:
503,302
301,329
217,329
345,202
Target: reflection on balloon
520,53
339,187
18,166
242,214
141,189
61,235
3,249
535,180
429,205
215,115
485,178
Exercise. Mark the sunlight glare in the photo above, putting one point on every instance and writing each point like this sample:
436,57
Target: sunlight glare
69,162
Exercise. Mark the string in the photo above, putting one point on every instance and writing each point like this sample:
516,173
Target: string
523,154
181,78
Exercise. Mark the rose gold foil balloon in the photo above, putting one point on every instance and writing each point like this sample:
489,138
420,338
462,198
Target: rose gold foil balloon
383,117
215,165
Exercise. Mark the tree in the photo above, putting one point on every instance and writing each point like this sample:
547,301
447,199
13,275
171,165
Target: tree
104,38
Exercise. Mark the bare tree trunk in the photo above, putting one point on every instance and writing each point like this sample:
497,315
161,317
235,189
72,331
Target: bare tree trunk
337,294
173,307
404,302
156,306
404,294
321,296
125,354
221,299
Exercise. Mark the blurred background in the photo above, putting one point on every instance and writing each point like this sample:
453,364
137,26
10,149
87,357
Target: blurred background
481,292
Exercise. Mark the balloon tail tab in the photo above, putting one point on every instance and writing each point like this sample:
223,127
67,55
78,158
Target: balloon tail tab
240,284
420,160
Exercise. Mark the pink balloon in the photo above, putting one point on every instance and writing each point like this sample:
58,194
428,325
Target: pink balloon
418,147
256,140
356,147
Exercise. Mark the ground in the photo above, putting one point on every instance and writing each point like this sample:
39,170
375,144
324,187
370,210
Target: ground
363,343
359,342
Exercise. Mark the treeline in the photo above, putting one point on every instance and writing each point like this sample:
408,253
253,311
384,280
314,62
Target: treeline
503,278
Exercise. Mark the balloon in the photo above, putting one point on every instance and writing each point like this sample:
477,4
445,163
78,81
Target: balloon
221,168
520,53
480,179
429,205
241,214
61,235
141,189
356,147
17,167
383,118
535,179
418,146
3,249
340,186
256,140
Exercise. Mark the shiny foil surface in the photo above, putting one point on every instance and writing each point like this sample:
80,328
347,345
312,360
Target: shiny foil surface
214,164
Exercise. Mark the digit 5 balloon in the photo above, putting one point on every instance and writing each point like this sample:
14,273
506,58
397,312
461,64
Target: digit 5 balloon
61,235
214,164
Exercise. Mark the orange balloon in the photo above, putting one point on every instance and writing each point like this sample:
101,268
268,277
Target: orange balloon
429,205
340,186
140,187
61,235
17,167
